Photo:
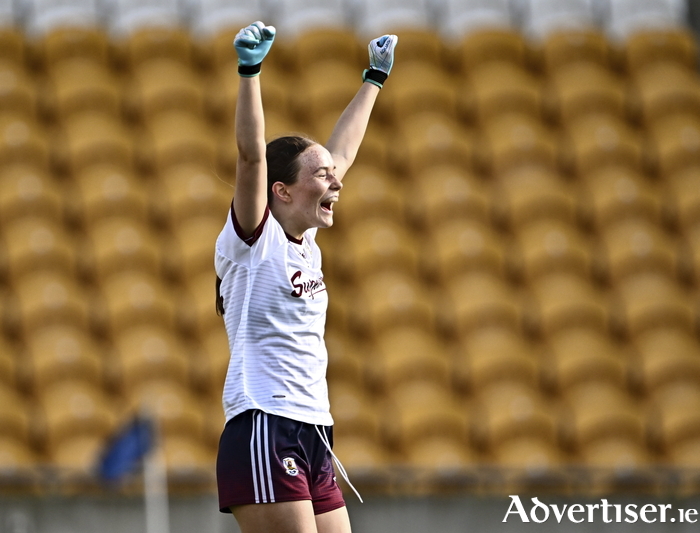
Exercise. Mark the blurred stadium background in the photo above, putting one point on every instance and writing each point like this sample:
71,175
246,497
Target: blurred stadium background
514,268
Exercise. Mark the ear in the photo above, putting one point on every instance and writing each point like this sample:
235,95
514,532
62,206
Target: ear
280,191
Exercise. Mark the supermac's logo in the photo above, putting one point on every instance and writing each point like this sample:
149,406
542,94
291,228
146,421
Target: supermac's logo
290,466
306,287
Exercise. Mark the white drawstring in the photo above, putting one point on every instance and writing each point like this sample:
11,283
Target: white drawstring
337,462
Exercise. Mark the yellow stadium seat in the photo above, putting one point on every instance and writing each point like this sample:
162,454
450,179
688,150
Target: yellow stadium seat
63,44
460,246
552,246
313,99
619,464
598,412
683,201
8,364
77,457
427,137
580,355
515,140
417,87
491,355
198,316
150,353
391,299
164,42
131,298
23,141
509,411
564,300
26,190
345,359
530,193
174,407
418,411
597,140
479,299
444,193
491,44
162,85
368,190
79,85
210,373
33,244
12,45
499,87
674,417
675,143
649,301
666,356
562,48
19,465
656,45
611,194
190,190
637,246
18,93
119,244
177,137
578,89
362,457
46,298
104,191
355,413
320,44
664,88
402,355
74,408
60,353
92,138
375,245
15,416
194,240
189,463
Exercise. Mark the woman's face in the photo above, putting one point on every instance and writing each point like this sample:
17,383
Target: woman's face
316,189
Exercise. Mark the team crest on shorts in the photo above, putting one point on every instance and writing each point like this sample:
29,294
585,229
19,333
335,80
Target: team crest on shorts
290,466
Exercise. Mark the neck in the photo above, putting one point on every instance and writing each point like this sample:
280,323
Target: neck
290,226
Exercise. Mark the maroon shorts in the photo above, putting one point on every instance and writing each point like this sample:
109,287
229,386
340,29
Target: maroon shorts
265,458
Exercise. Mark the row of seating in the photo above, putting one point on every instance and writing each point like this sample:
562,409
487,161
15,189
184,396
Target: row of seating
452,18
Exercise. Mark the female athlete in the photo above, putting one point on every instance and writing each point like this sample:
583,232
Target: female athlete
275,464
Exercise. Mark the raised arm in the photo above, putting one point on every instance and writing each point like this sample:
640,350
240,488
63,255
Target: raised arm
250,197
350,129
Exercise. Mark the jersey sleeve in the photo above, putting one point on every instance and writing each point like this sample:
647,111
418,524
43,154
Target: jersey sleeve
232,246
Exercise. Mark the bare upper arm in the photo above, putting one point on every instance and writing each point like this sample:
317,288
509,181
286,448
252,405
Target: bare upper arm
250,197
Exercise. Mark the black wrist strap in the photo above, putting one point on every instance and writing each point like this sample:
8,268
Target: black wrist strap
248,71
375,76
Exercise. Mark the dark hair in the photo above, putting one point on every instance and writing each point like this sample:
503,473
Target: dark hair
282,157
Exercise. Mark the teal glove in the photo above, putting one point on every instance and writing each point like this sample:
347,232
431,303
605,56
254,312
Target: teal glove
252,44
381,59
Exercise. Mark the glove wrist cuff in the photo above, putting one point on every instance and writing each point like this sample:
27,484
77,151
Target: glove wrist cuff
374,76
249,71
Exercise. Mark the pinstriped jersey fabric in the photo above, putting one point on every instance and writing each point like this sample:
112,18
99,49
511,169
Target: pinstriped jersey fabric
275,305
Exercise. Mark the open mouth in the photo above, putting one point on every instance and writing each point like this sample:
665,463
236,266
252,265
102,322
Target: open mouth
327,206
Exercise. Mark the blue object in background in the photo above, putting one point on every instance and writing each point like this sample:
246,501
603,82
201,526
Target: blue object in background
126,449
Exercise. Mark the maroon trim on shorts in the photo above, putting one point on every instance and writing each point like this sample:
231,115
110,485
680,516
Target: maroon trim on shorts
266,458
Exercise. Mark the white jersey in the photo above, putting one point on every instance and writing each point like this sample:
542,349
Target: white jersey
275,305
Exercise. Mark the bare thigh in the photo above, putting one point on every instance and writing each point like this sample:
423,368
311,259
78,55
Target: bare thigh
281,517
336,521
